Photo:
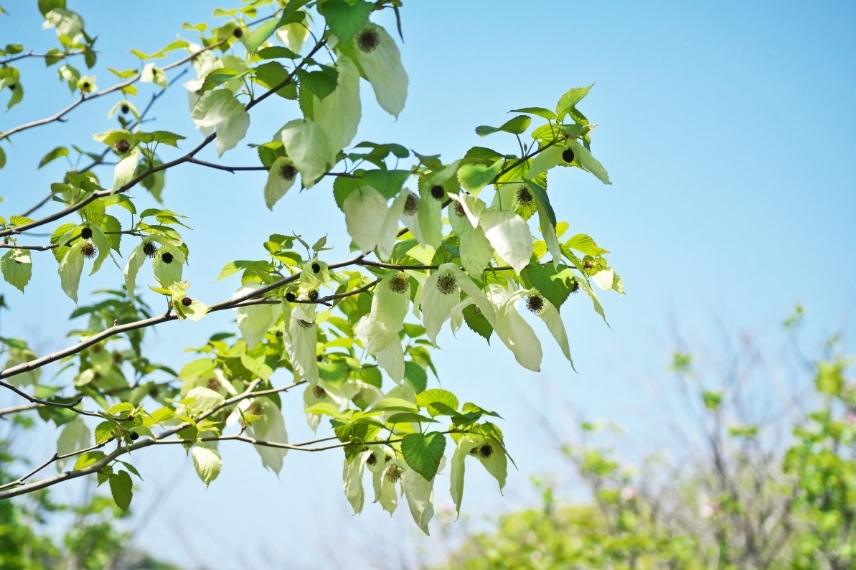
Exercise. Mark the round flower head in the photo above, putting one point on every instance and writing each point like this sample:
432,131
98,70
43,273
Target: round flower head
318,391
86,233
447,284
524,197
167,257
368,40
437,192
393,473
398,282
150,249
88,250
187,301
411,204
568,155
486,450
535,303
122,146
287,172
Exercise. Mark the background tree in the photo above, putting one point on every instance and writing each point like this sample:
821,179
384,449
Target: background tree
741,493
458,247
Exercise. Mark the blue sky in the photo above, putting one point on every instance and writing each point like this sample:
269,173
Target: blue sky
727,129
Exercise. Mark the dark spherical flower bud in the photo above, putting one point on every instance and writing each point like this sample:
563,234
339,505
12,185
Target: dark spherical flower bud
125,109
237,32
437,192
290,297
134,436
319,392
535,303
371,459
524,197
574,285
213,383
86,86
447,284
316,267
288,172
588,262
568,155
319,358
398,282
88,250
122,146
313,295
150,249
486,450
86,233
187,301
368,40
411,204
167,257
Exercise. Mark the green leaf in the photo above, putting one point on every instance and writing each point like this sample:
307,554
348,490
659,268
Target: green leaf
70,269
321,82
277,52
17,267
121,488
537,111
260,34
416,376
429,397
53,155
585,245
346,19
477,322
474,177
547,280
570,99
515,126
165,137
423,453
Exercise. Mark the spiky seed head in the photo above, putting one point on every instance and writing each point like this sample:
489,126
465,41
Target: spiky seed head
447,284
368,40
88,250
535,303
398,282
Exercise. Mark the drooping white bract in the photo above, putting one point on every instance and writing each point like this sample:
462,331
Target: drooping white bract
270,427
379,330
255,320
509,235
365,213
551,317
389,229
307,146
301,341
490,454
476,251
338,114
280,179
379,61
513,330
419,493
441,293
220,110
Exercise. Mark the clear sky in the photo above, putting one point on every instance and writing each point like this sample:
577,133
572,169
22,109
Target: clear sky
727,129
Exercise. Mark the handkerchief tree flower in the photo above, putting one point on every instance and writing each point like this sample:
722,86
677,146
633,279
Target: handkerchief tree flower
470,245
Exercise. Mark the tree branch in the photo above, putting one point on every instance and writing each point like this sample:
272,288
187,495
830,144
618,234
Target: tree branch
31,54
157,168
